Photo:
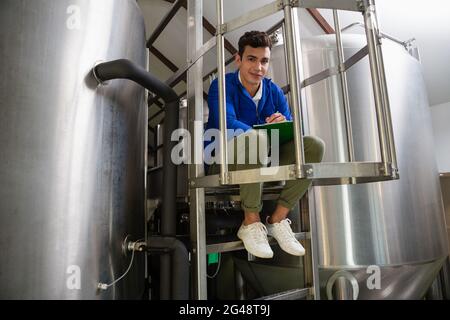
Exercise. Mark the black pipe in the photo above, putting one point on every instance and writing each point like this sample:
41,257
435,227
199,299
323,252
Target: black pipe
125,69
180,264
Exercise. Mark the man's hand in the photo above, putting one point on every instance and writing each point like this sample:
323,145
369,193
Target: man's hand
276,117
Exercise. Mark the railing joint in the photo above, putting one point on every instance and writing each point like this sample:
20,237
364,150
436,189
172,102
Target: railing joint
222,29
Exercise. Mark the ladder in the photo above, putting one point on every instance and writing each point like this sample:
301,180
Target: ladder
320,173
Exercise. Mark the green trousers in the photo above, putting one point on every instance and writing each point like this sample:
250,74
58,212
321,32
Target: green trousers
251,193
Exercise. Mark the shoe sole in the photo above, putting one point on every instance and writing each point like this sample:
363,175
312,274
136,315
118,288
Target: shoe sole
256,255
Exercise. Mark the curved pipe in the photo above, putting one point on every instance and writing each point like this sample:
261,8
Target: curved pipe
125,69
180,264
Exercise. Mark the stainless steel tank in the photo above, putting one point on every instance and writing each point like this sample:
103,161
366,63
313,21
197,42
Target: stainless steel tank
393,230
72,163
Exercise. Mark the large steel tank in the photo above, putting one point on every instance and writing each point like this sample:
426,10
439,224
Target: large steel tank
392,230
72,159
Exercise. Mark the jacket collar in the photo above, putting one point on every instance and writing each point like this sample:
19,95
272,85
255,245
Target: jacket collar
266,89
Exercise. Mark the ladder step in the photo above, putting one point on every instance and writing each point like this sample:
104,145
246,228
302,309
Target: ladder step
295,294
326,173
238,245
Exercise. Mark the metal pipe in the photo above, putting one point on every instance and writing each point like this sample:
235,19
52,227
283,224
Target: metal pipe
386,104
179,285
125,69
196,196
372,41
169,208
222,96
294,81
387,112
344,87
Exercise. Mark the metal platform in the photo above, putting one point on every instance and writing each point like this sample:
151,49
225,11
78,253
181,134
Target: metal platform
219,243
320,173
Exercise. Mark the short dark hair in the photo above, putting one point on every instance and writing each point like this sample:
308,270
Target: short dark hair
255,39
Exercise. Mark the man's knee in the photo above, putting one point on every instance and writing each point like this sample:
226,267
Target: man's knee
314,149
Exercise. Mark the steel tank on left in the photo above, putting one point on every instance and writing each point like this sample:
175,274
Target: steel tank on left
72,155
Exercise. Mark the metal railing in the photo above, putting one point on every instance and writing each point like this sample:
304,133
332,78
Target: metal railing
364,171
320,173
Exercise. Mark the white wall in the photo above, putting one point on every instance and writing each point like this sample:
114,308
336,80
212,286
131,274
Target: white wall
440,115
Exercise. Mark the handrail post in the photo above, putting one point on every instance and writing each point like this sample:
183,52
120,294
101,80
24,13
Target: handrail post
197,212
373,42
294,80
222,96
344,87
385,95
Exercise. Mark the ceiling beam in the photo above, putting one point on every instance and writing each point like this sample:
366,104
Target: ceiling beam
165,21
169,64
211,30
320,20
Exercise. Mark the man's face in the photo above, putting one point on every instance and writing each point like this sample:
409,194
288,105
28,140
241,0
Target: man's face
253,64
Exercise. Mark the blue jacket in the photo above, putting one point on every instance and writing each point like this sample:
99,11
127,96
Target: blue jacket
241,110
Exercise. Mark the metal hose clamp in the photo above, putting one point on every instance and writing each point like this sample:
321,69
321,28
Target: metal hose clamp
96,77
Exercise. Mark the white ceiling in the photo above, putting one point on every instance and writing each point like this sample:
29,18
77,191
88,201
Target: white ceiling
428,22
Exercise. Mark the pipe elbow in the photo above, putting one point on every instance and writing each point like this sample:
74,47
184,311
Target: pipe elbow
126,69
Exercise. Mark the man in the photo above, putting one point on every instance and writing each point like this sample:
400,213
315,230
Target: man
253,99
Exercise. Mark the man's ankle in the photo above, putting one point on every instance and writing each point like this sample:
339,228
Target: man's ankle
251,217
274,219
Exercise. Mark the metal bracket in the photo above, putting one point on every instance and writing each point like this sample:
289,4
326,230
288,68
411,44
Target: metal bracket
287,3
292,173
360,4
228,179
309,172
100,83
222,29
128,245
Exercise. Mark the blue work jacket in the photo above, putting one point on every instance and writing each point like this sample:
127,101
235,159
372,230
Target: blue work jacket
242,112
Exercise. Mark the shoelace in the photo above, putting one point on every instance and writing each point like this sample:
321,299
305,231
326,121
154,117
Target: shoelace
288,235
259,232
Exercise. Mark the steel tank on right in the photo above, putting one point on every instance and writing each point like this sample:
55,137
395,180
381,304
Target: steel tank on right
382,240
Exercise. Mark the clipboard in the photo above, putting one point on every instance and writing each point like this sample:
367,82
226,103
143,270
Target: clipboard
285,130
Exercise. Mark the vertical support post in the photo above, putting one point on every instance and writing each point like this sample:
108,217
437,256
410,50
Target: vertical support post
147,67
222,95
195,126
373,41
344,87
314,244
384,92
294,81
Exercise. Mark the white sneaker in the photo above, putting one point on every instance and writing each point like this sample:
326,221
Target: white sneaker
282,232
254,237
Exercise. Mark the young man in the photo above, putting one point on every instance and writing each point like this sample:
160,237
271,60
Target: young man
253,99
